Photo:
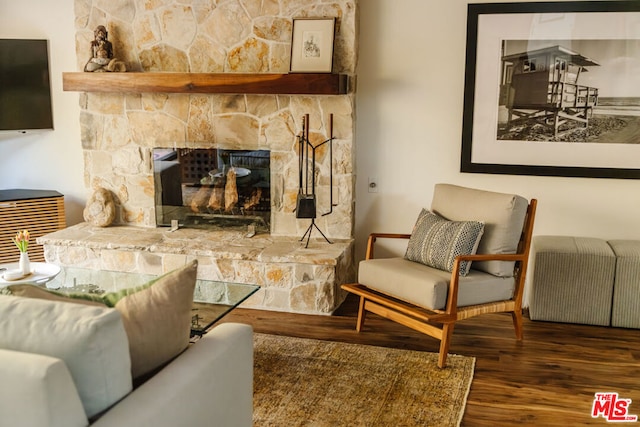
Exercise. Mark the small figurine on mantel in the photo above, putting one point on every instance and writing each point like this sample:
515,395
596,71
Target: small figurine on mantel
102,59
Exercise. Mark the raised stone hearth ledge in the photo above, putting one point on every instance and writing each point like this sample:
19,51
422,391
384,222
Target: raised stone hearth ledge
292,278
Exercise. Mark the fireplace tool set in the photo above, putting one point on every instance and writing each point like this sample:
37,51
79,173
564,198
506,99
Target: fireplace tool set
306,202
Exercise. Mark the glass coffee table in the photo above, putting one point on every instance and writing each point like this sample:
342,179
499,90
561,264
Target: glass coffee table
212,300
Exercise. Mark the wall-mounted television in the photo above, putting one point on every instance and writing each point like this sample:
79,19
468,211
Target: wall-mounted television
25,88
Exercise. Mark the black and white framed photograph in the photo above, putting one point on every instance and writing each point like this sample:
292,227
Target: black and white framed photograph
553,88
312,45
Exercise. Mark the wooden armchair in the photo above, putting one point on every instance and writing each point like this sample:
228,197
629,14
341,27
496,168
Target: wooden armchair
431,300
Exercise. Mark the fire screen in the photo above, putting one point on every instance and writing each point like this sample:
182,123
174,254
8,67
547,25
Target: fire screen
213,188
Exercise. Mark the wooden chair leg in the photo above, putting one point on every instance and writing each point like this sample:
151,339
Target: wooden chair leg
447,331
517,323
361,315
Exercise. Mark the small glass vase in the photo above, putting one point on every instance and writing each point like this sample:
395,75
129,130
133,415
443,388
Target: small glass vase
25,264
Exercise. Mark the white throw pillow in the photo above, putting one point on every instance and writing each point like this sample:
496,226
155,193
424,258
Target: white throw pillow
90,340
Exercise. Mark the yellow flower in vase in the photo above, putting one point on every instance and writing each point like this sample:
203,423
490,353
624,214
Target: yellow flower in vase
22,240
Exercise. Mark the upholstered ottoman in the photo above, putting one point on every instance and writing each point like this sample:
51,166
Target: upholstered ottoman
572,280
625,311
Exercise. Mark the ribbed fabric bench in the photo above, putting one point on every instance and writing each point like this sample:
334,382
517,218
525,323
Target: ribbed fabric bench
625,311
585,280
572,280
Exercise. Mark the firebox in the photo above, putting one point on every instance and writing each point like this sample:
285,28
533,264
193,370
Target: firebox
212,188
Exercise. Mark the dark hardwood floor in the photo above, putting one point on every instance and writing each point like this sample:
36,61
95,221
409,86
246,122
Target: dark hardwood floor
548,379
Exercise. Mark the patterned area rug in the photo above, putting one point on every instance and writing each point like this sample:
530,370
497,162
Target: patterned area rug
303,382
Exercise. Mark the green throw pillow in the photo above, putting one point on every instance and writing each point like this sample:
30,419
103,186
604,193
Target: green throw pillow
436,241
156,316
33,291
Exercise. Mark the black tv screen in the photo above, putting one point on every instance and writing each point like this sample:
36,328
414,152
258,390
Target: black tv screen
25,92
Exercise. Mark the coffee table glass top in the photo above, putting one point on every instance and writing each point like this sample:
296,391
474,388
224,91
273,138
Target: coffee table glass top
212,299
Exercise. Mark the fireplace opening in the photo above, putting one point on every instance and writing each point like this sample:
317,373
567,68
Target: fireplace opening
213,188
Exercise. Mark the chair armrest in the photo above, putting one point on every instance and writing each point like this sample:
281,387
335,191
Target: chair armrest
492,257
210,383
374,236
452,295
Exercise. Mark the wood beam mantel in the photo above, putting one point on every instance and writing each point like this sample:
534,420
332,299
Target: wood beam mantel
229,83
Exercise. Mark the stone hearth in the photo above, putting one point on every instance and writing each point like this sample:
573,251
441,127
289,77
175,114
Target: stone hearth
292,278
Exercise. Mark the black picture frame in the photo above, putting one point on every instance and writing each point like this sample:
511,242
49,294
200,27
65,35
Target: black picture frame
495,25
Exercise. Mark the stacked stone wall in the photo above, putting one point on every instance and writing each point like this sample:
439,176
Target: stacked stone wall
119,130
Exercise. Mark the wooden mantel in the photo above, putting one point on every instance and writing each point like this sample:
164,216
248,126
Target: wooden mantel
229,83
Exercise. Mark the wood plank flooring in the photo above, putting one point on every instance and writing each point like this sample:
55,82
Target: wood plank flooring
548,379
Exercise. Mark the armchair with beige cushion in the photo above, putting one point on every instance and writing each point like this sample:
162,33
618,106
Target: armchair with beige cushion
467,256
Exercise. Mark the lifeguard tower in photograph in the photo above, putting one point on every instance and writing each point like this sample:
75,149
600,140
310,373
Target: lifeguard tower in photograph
543,84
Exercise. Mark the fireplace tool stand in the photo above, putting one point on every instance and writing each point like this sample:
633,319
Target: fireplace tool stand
307,233
306,202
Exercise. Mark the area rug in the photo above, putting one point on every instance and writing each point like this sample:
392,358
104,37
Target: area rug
304,382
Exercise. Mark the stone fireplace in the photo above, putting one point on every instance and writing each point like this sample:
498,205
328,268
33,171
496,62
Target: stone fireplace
121,132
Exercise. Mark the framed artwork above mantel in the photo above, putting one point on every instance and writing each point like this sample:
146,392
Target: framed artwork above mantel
553,88
312,45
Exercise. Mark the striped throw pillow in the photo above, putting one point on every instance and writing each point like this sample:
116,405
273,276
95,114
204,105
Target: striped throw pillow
436,241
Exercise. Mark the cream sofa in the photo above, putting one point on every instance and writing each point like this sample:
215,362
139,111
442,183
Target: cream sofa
65,365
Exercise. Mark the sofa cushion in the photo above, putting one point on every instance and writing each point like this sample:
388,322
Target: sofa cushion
437,242
38,390
210,384
427,287
91,341
156,315
503,216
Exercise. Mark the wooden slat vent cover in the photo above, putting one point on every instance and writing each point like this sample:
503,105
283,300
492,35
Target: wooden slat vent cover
40,216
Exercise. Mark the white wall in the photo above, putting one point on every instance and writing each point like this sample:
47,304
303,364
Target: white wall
50,160
409,118
409,130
